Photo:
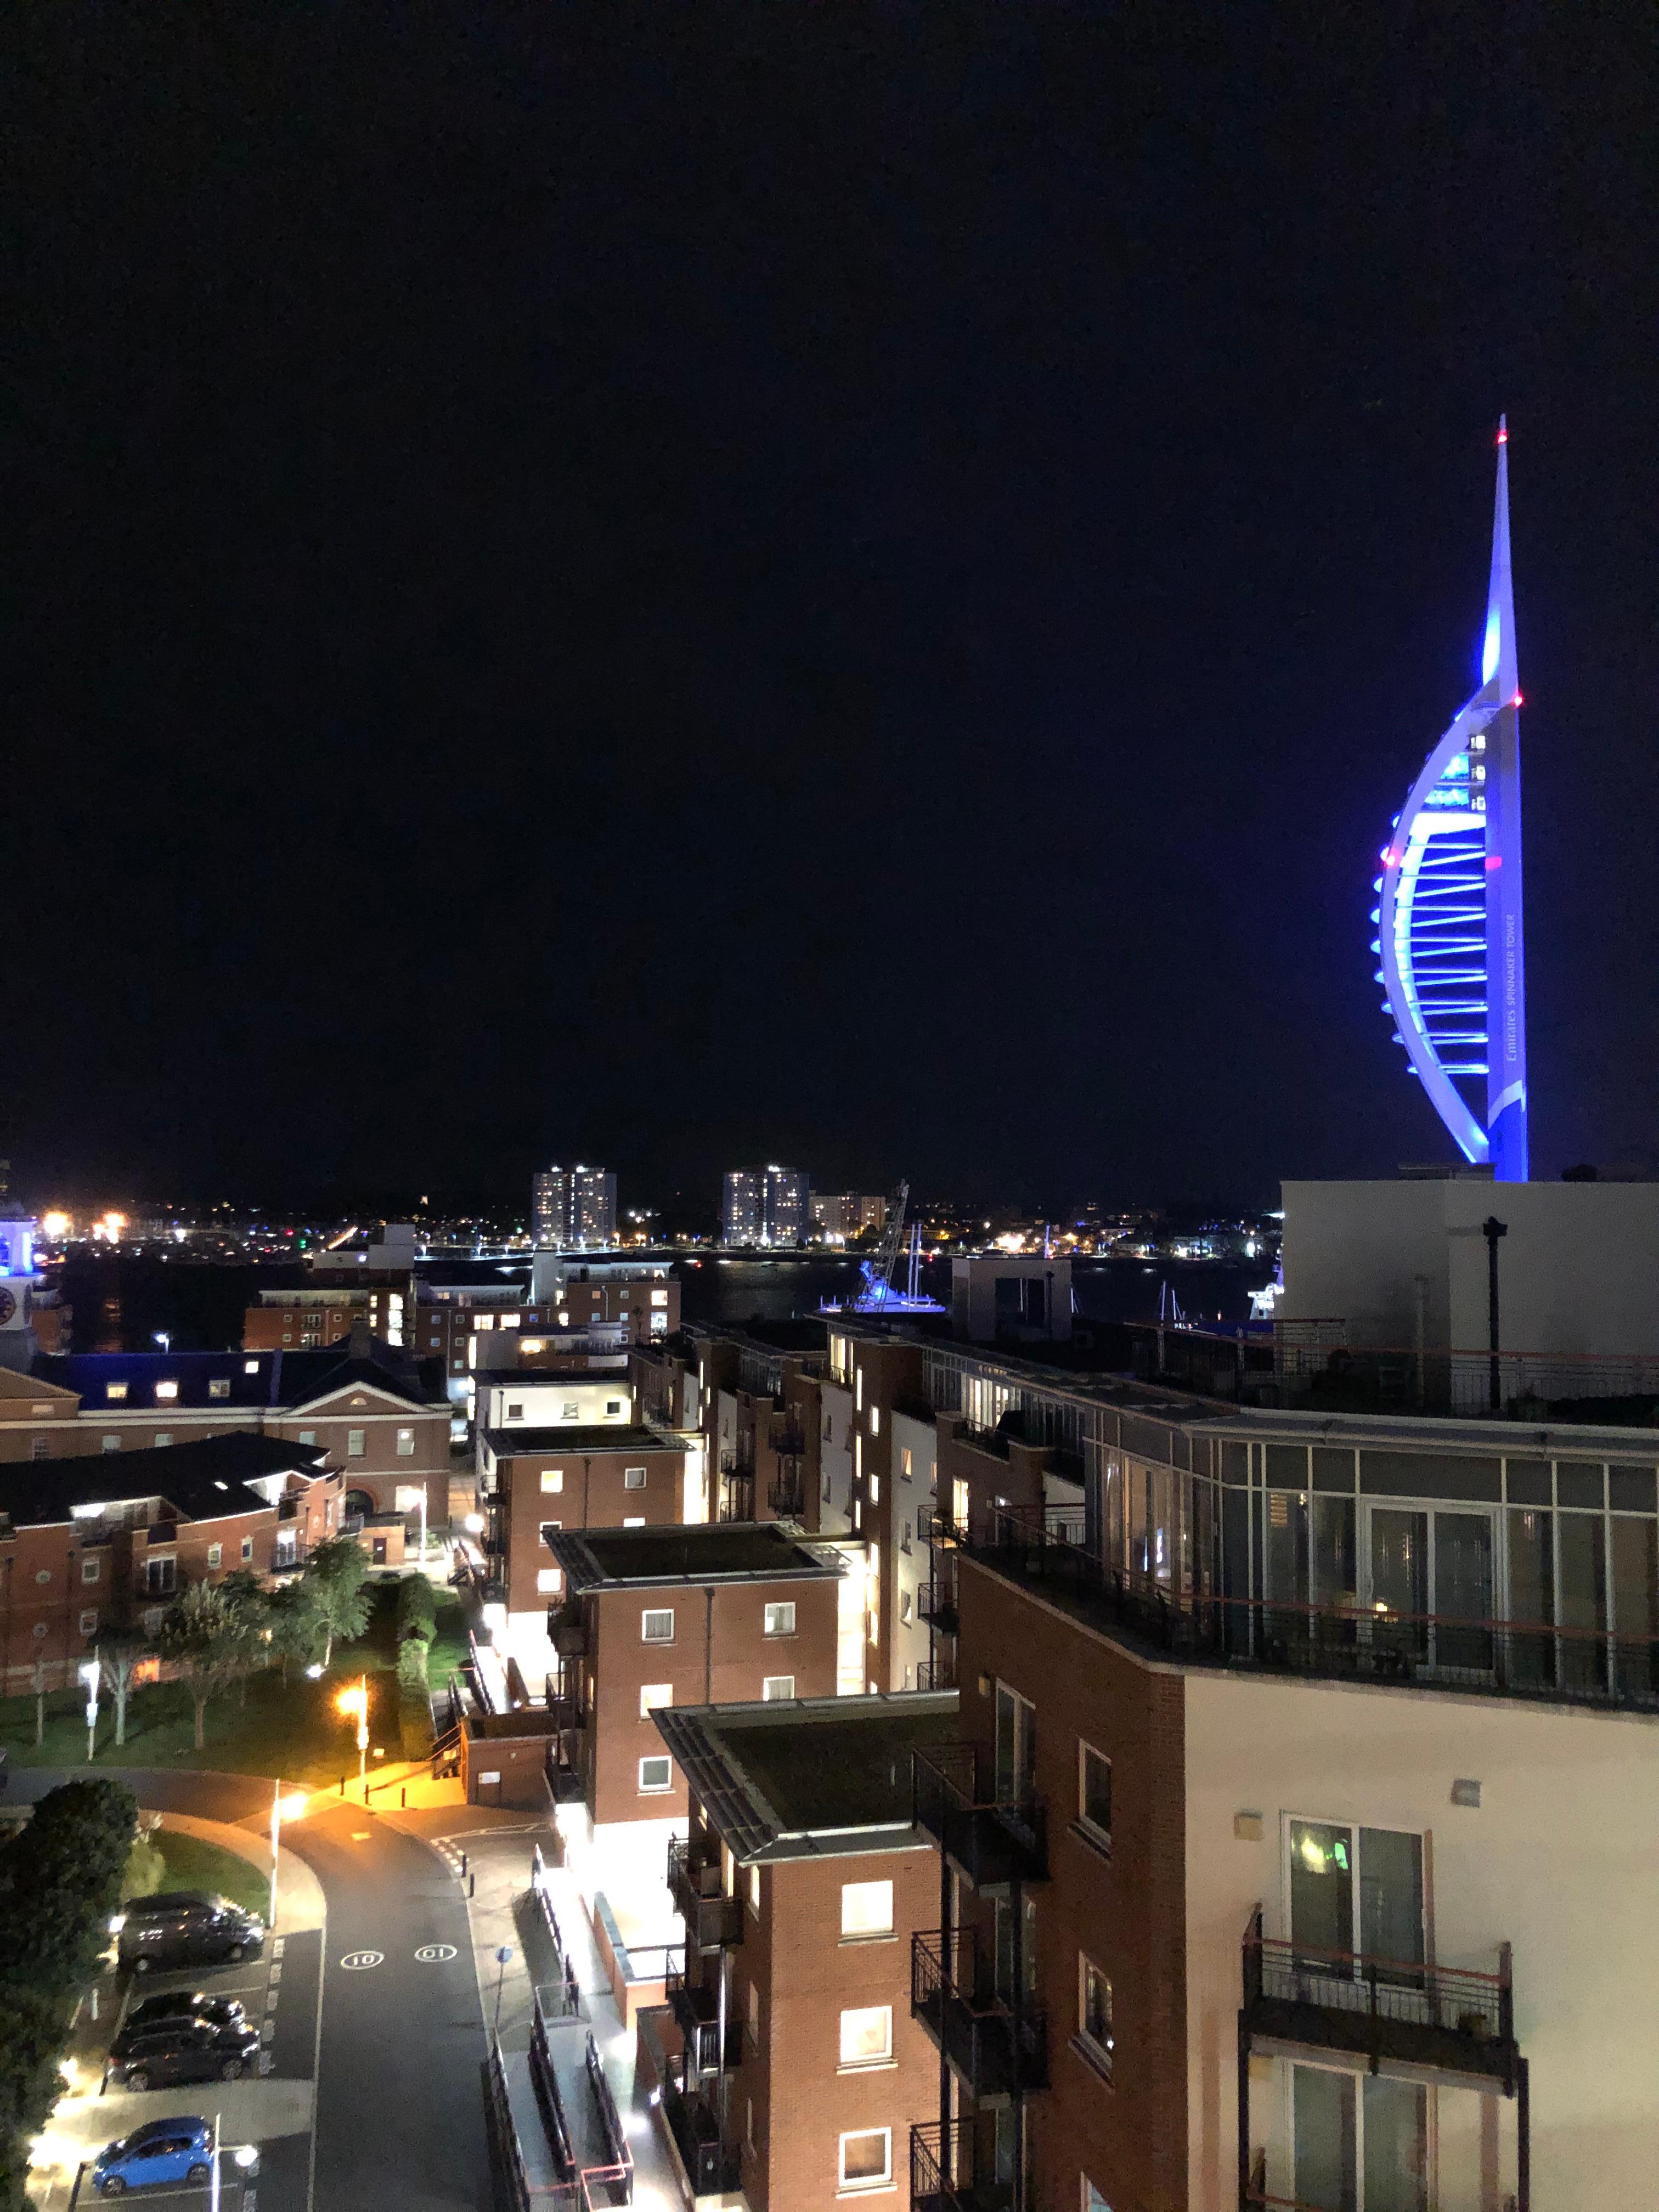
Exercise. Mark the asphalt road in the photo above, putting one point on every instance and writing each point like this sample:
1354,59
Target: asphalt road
399,2123
400,2116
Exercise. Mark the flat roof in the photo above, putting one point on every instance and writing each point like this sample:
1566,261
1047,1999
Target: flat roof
578,1437
203,1480
727,1551
808,1776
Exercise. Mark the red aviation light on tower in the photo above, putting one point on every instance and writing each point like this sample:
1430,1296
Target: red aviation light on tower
1503,432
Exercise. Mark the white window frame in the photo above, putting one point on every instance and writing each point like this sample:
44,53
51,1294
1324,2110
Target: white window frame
90,1568
774,1622
548,1582
656,1612
405,1443
552,1481
655,1698
1101,2054
777,1689
881,1934
862,2063
1092,1829
656,1758
859,2184
356,1443
634,1478
215,1555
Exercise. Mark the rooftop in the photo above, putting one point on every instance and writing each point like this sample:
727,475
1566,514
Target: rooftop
753,1551
202,1480
580,1437
810,1774
264,1379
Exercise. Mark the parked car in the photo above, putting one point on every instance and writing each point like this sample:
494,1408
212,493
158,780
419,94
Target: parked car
184,2051
175,2004
160,2152
187,1928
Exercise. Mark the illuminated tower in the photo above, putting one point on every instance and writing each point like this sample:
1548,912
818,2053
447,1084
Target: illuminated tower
1448,916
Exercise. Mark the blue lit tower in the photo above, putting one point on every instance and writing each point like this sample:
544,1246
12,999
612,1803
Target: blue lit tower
1449,913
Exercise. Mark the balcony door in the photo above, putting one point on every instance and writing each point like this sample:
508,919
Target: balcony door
1356,1901
1360,2141
1431,1585
1016,1748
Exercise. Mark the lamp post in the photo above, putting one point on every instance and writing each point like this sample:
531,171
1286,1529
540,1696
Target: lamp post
350,1702
89,1673
282,1809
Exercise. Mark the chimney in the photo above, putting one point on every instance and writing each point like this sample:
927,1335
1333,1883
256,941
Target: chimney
361,1341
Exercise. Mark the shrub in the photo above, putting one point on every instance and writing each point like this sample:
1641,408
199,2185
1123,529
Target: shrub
417,1608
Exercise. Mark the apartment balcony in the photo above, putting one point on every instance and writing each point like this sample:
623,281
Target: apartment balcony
1450,2018
696,2015
995,1844
712,1920
564,1777
787,1492
737,1496
566,1629
713,2165
950,2171
940,1529
936,1602
936,1674
953,1996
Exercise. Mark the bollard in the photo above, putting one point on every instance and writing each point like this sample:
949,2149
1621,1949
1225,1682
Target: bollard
402,1797
342,1785
463,1862
471,1883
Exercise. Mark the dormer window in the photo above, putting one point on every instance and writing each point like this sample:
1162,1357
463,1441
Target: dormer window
166,1391
115,1392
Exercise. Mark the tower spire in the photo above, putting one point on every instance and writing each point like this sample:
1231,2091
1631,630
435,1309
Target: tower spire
1498,658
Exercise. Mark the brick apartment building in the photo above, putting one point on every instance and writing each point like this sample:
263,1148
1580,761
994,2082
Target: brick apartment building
376,1415
790,2067
97,1542
658,1616
1293,1752
666,1383
611,1475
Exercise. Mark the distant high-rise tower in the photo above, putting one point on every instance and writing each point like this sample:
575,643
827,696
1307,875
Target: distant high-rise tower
1448,912
765,1205
575,1209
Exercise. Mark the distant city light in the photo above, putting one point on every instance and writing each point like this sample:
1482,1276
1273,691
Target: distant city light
55,1224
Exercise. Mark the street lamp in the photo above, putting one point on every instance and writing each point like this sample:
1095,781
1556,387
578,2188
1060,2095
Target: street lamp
282,1809
356,1702
164,1338
88,1672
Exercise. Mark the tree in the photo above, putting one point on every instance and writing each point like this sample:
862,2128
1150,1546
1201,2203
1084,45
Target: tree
418,1609
38,1684
118,1665
205,1637
291,1618
251,1602
60,1879
335,1572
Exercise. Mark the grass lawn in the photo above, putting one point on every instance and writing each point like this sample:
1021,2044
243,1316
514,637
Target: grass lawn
194,1864
292,1731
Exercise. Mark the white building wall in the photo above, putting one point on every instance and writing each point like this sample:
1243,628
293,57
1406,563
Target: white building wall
913,1501
1559,1860
834,1460
1578,1271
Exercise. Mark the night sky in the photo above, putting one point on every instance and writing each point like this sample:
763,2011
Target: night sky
855,586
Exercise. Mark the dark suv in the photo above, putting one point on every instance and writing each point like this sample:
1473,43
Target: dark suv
169,2009
187,1928
184,2051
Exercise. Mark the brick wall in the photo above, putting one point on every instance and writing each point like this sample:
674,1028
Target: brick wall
593,1494
1124,1911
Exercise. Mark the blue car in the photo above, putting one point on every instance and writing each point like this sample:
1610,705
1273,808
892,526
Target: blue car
162,2151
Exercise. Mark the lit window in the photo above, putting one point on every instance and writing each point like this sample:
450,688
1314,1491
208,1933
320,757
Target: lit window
355,1446
904,1606
1094,2013
907,1464
115,1391
547,1581
405,1443
866,2159
219,1387
656,1775
167,1390
552,1481
866,2035
875,1490
1094,1788
657,1627
780,1619
776,1688
633,1478
875,1420
858,1387
659,1297
754,1890
654,1694
216,1554
633,1520
866,1908
161,1438
90,1569
250,1367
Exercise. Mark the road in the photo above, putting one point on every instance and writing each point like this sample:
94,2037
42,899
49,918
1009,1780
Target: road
398,2121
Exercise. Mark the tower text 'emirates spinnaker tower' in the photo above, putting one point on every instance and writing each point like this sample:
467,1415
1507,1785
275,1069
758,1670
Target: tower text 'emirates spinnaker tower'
1448,912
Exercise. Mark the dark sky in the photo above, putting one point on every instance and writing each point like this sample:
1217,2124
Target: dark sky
858,586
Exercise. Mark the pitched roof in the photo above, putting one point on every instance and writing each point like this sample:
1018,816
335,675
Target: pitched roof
247,1379
204,1479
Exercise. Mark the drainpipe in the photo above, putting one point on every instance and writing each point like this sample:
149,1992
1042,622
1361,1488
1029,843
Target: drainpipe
708,1646
1491,1229
1420,1337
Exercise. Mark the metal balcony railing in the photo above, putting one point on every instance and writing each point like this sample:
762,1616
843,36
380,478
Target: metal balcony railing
1404,2010
1043,1550
995,1842
712,1920
696,2012
936,1602
787,1492
940,1529
951,2171
997,2052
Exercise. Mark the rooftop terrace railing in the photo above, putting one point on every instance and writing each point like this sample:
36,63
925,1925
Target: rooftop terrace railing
1375,1641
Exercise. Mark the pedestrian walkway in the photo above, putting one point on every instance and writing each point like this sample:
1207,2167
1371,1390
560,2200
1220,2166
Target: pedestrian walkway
503,1911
